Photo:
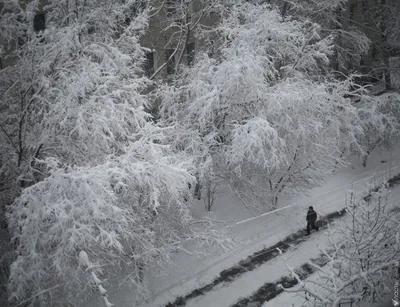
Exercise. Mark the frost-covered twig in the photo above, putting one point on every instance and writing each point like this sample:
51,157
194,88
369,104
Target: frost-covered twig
84,259
37,294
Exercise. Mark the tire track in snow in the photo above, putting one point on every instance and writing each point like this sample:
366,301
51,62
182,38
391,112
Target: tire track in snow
252,262
270,290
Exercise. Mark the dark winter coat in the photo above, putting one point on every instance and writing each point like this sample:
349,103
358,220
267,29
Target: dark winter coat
311,215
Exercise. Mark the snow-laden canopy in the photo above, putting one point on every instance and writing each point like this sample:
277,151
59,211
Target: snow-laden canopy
269,103
95,174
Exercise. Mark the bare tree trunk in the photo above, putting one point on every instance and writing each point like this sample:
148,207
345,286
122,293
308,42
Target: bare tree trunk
386,58
197,191
384,41
210,196
274,202
365,158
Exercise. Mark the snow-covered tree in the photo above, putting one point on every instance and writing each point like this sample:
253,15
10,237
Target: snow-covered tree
94,174
383,129
381,20
268,108
350,43
364,250
181,23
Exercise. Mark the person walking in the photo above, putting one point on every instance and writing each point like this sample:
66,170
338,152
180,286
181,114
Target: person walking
311,219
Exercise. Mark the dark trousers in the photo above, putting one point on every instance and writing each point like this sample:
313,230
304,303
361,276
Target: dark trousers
311,224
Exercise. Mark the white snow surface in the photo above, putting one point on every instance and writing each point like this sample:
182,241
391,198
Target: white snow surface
272,270
321,238
187,272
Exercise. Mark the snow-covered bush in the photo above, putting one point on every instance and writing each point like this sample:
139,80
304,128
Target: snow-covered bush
94,173
268,108
364,250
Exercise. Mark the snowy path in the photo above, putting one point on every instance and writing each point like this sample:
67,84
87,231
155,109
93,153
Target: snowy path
272,271
267,231
269,272
296,300
252,262
187,273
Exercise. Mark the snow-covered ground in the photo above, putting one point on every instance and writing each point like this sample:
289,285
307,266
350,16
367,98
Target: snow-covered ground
295,299
246,284
187,272
272,270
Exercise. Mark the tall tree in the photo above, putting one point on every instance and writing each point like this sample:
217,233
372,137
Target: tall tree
269,108
181,23
94,174
350,42
380,21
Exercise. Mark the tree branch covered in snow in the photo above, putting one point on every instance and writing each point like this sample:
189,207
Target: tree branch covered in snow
268,108
381,122
182,22
84,260
350,43
94,173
